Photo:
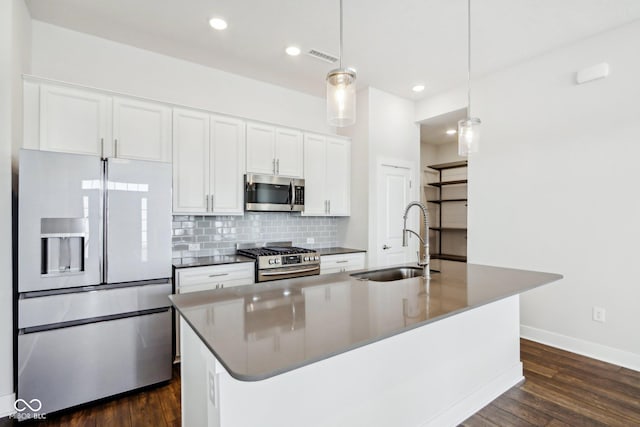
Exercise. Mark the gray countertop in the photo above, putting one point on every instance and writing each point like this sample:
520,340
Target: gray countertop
337,251
262,330
231,259
211,260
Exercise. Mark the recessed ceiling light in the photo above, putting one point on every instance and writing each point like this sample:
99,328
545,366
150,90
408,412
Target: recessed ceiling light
451,131
293,50
418,88
218,23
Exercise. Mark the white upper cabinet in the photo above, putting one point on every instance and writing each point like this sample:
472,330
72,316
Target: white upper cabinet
288,153
87,122
141,130
274,151
227,163
338,182
208,163
315,175
72,120
261,147
327,173
190,161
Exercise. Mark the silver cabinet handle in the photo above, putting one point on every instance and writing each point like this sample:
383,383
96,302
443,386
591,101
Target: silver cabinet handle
274,165
206,198
342,261
385,247
115,149
326,206
102,148
219,275
329,203
213,202
277,166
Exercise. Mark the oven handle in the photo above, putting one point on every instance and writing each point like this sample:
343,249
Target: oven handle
280,273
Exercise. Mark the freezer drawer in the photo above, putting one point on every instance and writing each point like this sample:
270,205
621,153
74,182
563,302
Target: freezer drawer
69,366
52,309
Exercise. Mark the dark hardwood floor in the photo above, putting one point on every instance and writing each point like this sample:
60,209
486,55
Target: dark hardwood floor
565,389
561,389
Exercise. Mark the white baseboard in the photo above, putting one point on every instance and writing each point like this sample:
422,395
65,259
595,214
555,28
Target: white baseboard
585,348
6,405
478,399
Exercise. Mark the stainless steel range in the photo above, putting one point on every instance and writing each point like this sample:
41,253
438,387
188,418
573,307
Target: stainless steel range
280,260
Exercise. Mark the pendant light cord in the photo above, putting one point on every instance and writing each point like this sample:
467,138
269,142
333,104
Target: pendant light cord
468,58
340,52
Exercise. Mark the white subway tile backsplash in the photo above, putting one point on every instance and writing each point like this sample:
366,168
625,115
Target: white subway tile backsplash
219,235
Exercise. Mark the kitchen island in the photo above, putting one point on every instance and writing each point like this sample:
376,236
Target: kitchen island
334,350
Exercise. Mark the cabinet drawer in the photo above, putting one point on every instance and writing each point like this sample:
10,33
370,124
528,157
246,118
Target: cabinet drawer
339,263
233,274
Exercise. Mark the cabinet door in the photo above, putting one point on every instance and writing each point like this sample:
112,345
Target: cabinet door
141,130
73,121
289,159
339,177
261,140
315,203
227,165
190,161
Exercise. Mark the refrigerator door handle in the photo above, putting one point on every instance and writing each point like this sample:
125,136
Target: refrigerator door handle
105,221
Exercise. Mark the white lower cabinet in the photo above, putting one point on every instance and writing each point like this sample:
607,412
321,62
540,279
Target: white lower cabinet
194,279
327,174
341,263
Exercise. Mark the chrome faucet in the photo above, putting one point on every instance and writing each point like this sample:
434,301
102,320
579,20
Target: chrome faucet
424,262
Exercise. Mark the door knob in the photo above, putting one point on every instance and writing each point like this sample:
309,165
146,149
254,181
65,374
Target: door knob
385,247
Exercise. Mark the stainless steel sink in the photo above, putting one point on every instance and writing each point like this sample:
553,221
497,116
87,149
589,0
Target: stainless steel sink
390,274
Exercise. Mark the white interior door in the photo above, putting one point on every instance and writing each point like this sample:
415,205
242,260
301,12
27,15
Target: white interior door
393,197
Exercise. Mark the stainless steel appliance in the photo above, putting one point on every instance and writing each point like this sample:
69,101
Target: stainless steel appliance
280,260
94,268
273,193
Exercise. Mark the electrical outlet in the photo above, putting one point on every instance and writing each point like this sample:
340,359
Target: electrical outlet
599,314
194,246
311,240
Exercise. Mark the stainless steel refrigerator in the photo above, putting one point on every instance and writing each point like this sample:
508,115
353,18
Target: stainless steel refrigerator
94,268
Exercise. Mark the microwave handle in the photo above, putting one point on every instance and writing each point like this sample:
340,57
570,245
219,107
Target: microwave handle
291,194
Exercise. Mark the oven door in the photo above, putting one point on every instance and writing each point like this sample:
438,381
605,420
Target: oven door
287,272
271,193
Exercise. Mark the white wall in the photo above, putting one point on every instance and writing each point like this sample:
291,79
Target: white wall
354,230
14,59
555,188
386,130
74,57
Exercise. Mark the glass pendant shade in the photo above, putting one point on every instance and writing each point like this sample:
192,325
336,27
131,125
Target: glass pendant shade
468,136
341,97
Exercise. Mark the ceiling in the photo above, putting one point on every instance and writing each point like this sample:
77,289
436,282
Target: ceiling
393,45
434,130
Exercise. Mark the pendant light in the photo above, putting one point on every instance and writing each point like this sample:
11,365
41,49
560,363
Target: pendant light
341,92
469,128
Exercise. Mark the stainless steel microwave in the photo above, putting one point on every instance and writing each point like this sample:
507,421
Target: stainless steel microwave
273,193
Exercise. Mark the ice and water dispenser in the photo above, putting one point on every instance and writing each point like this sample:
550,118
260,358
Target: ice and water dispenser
63,245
